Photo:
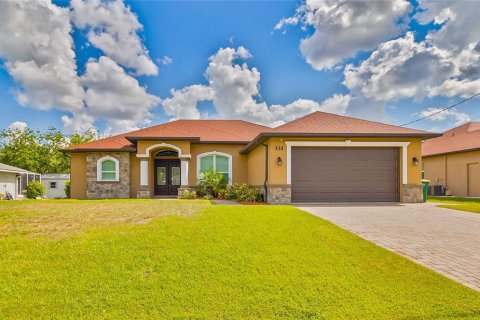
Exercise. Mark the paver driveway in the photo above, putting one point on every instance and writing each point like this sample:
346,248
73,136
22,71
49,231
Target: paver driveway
445,240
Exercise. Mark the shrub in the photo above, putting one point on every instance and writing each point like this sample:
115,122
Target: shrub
221,194
67,188
210,182
243,192
186,194
200,192
35,189
208,197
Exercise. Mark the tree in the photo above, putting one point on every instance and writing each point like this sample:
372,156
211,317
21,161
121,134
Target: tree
38,151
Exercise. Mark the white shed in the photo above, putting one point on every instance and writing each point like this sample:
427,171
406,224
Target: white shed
55,184
15,180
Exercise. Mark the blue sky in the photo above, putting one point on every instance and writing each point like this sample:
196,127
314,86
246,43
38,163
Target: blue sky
189,33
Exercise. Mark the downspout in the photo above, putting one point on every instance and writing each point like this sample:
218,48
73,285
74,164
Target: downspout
265,184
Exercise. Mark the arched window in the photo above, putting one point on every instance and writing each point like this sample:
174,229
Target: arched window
167,153
107,169
218,161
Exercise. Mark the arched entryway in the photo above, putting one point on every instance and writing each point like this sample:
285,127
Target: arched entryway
167,172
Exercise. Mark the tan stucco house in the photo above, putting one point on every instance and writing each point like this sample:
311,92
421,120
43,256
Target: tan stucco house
453,160
321,157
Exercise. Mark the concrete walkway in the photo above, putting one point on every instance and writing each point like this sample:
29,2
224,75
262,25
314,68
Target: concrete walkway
444,240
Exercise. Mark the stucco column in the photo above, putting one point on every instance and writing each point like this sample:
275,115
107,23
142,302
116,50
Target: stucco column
143,189
184,172
144,172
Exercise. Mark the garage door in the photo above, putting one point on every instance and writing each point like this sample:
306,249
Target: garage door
344,174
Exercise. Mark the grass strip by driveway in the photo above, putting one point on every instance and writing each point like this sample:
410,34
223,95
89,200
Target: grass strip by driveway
457,203
193,260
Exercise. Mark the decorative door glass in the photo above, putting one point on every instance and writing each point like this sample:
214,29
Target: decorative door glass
175,176
161,176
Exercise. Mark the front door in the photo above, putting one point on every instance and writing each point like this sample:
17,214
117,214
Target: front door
167,177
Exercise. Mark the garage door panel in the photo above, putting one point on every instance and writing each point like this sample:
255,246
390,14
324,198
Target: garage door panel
344,174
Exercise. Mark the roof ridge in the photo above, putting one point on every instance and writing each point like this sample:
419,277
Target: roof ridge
350,117
148,129
235,134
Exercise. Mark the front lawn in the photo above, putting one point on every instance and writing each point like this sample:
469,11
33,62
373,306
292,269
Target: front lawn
189,259
457,203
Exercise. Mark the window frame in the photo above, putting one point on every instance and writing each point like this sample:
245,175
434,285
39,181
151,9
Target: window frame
215,154
99,169
53,184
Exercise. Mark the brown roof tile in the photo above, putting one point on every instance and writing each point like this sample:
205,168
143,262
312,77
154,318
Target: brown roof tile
202,130
462,138
322,122
317,123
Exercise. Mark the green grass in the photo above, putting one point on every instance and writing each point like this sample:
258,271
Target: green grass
188,259
457,203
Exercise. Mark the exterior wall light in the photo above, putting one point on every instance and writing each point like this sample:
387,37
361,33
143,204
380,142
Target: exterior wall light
279,161
416,162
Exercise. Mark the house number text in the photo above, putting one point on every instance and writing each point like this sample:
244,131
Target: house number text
278,147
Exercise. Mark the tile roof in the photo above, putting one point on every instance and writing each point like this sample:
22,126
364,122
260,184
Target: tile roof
323,124
328,123
229,131
462,138
201,130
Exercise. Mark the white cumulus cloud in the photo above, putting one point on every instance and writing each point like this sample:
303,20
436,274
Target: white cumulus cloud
451,114
445,63
400,68
18,126
234,89
183,103
341,29
113,28
115,96
38,51
37,48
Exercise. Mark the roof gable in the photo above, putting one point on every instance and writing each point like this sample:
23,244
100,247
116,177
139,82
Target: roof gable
322,122
7,168
462,138
227,131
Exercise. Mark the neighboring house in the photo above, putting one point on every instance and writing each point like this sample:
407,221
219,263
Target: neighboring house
321,157
55,184
15,180
453,160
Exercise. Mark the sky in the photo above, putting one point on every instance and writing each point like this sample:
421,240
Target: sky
117,66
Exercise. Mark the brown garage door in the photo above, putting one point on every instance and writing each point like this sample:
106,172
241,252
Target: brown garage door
344,174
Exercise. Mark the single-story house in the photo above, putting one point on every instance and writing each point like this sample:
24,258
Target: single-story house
321,157
55,184
15,180
453,160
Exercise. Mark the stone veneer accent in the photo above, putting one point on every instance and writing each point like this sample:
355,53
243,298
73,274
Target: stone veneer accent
412,193
143,192
183,188
99,189
279,194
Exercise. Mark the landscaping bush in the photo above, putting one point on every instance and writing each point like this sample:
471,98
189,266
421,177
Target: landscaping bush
186,194
67,188
210,182
208,197
35,189
242,192
221,194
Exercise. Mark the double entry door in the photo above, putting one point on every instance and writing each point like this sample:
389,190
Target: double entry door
167,177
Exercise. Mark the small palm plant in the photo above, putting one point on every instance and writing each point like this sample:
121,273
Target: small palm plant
211,181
